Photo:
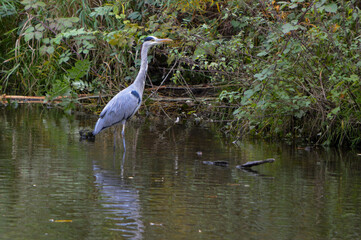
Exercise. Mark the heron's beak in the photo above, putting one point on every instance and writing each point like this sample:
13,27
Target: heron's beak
165,40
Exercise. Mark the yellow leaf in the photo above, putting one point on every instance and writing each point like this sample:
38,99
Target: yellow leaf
335,27
63,221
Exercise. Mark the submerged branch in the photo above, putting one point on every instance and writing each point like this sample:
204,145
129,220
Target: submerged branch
255,163
247,165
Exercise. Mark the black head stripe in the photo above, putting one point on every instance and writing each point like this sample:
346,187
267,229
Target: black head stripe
148,39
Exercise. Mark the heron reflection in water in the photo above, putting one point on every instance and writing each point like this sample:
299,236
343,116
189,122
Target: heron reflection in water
127,102
120,203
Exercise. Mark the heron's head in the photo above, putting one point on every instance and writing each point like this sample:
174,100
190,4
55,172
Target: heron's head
151,40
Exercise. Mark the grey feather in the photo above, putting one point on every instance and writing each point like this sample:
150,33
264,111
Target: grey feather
119,109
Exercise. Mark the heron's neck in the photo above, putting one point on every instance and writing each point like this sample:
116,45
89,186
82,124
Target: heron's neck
140,80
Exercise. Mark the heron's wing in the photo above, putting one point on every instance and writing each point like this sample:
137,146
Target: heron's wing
120,108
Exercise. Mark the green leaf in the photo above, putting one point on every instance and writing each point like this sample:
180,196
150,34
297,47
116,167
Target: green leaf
25,2
40,4
42,49
264,74
80,69
331,8
57,39
235,24
300,114
263,53
73,19
135,16
50,50
203,50
293,5
249,93
29,30
46,49
116,10
29,36
288,27
200,51
39,27
46,40
335,110
59,88
38,35
63,59
103,11
353,78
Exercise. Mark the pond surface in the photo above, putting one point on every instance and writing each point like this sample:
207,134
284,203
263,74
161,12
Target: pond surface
53,186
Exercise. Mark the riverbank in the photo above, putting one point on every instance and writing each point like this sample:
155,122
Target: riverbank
270,66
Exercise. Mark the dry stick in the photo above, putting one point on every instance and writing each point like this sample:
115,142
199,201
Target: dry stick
188,89
165,78
161,108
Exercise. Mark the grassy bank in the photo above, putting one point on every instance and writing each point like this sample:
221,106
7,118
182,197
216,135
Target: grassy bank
285,69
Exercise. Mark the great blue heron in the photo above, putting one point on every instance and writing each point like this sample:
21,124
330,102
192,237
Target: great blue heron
127,102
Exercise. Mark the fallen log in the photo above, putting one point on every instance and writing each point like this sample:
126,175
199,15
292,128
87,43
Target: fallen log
255,163
35,99
22,99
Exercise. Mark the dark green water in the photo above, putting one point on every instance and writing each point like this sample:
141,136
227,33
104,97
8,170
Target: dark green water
53,186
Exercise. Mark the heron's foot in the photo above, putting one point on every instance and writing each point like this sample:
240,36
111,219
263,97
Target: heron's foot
86,134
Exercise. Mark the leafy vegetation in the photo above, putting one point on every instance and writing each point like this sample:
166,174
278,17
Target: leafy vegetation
280,63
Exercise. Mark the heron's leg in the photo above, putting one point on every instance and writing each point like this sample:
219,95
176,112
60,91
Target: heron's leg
123,132
115,137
